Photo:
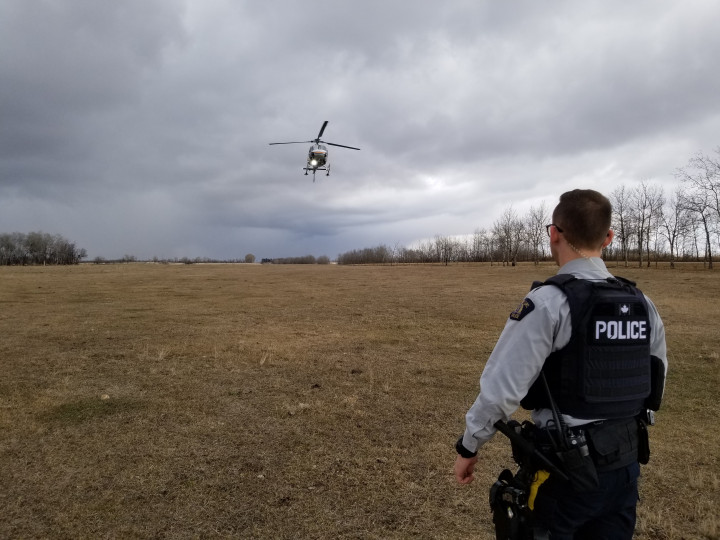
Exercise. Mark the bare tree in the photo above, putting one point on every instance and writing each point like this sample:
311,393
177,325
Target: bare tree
698,202
656,201
641,218
535,231
674,222
464,249
702,175
508,232
646,201
500,241
476,251
445,248
427,249
395,253
622,219
519,235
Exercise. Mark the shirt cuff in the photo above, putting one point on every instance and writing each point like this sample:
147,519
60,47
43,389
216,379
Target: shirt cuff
462,450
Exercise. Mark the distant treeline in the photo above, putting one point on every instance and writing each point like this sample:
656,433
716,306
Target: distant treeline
38,248
307,259
249,258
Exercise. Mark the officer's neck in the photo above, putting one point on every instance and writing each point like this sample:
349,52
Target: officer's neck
566,252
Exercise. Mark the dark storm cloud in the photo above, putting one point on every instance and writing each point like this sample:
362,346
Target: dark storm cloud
68,69
142,126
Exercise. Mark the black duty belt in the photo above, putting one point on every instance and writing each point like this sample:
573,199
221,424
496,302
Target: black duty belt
612,443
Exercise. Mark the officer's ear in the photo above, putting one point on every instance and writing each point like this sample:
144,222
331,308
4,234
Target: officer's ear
608,238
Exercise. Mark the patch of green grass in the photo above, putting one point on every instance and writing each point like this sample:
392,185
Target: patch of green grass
87,409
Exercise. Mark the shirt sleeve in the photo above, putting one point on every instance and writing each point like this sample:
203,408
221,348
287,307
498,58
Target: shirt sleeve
658,346
529,336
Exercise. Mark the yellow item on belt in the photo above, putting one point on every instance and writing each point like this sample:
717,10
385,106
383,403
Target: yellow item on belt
538,479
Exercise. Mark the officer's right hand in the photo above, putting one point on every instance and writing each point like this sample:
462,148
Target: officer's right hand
464,468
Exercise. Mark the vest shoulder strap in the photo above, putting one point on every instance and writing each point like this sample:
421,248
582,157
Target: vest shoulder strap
625,281
558,280
579,292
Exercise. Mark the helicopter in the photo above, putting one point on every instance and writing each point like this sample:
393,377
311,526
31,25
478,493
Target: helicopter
317,159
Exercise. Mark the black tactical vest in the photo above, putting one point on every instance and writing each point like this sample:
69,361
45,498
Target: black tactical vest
604,371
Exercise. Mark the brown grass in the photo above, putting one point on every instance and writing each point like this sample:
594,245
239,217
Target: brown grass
253,401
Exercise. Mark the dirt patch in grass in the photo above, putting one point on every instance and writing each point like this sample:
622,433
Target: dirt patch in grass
296,401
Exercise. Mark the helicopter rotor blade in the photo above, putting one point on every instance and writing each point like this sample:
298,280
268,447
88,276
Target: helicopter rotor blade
340,145
322,129
292,142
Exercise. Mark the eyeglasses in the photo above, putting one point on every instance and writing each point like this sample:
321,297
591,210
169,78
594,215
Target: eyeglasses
547,228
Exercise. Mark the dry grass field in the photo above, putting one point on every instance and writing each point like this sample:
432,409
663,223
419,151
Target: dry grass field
248,401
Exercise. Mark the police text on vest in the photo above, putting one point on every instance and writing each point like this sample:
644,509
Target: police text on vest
620,329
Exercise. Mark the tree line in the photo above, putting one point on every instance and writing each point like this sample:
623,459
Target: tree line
649,225
305,259
37,248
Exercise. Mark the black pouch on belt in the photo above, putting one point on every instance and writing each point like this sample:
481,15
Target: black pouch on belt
614,444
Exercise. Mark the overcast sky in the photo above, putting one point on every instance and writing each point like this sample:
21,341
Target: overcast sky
142,126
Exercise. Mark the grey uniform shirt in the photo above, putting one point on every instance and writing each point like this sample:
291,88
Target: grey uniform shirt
524,344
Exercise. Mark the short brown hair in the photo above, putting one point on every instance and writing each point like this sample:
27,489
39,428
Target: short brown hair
584,215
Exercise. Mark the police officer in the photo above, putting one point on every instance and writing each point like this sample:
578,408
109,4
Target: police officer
541,328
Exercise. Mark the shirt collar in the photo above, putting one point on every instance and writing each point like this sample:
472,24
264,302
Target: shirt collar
586,268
